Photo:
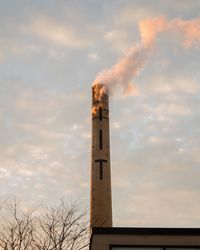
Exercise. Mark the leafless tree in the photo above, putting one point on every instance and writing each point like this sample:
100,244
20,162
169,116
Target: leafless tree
17,231
61,227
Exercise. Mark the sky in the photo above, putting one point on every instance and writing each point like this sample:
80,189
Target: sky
51,51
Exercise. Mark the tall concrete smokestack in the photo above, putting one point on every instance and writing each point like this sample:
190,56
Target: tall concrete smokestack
101,202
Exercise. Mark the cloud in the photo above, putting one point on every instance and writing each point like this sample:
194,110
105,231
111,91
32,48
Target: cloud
131,15
130,12
118,39
60,34
93,57
41,141
156,180
173,109
1,56
166,84
155,203
46,72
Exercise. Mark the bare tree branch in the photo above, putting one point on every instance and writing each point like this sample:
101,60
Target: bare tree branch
59,227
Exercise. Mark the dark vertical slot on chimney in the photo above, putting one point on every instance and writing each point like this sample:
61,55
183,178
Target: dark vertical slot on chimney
101,171
100,113
100,139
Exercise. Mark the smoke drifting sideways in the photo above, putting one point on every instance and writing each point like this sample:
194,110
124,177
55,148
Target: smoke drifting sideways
118,77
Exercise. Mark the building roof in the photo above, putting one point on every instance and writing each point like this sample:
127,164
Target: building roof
146,230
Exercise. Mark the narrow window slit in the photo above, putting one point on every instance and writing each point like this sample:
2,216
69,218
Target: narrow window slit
101,161
101,171
100,139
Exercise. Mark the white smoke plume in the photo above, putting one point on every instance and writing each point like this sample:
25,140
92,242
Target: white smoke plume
119,76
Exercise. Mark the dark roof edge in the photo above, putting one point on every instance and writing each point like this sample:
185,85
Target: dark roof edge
146,230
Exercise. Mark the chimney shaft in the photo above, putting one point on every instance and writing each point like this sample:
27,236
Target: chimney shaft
101,202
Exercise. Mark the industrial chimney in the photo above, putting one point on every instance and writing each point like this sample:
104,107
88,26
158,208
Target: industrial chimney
101,201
